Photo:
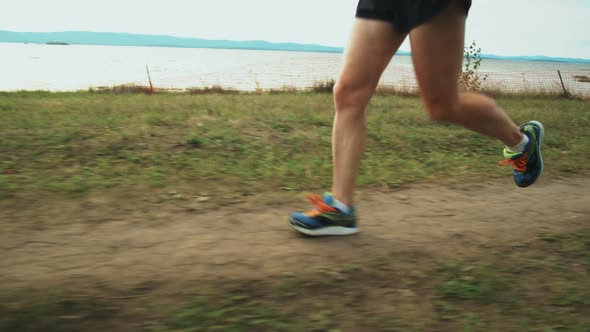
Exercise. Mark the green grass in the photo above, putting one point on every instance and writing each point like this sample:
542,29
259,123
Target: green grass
542,286
53,311
73,143
471,283
230,313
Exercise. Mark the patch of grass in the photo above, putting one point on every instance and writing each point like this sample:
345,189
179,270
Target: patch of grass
573,246
73,143
232,313
218,89
582,78
55,312
472,283
404,90
324,299
542,287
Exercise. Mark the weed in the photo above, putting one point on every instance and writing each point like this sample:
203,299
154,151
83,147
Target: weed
323,86
195,142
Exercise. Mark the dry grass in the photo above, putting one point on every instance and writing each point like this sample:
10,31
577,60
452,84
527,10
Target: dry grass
126,89
216,89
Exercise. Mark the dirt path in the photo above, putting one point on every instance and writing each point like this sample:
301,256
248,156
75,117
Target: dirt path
113,240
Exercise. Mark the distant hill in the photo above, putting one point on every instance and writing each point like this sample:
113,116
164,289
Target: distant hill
128,39
535,58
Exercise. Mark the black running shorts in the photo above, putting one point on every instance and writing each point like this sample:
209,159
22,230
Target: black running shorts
405,15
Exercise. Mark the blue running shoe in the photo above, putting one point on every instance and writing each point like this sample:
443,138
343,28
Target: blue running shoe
324,219
528,164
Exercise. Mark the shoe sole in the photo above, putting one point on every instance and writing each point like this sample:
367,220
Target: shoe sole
325,231
538,147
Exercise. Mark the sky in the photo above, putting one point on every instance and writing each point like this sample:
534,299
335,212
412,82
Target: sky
558,28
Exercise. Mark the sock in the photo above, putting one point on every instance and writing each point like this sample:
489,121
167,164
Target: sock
520,146
341,206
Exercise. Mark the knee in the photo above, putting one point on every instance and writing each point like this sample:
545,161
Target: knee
351,97
441,109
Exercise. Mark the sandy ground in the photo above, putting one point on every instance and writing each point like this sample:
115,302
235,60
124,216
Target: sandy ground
129,242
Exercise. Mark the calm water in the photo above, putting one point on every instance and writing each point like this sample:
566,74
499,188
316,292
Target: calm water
74,67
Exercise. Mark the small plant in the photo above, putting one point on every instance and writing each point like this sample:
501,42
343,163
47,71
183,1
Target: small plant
470,78
258,89
195,142
323,86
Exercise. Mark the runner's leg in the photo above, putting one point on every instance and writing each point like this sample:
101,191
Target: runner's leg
437,52
373,43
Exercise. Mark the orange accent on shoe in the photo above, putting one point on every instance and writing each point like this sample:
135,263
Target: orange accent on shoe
321,207
519,164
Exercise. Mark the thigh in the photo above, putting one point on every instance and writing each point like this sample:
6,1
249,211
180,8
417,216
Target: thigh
437,53
372,45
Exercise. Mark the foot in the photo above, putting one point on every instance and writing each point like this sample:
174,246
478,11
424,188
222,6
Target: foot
528,164
324,219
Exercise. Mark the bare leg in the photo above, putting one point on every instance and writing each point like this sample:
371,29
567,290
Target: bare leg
437,52
372,45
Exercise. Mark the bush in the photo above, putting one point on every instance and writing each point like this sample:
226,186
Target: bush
470,79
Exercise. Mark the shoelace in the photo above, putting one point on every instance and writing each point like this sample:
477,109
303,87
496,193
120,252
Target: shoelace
320,206
519,164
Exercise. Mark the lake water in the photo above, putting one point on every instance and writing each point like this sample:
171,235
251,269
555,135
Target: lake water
75,67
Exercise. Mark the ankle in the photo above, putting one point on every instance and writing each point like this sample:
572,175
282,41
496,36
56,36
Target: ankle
516,136
345,208
342,198
520,145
